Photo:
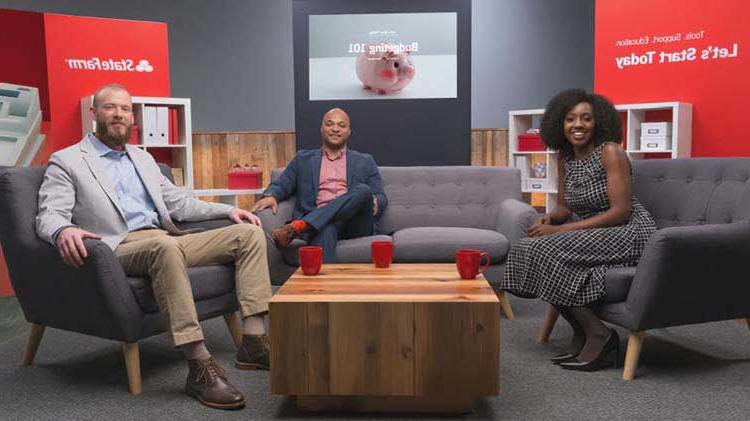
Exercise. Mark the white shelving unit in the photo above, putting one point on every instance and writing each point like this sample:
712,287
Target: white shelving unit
228,196
181,153
634,114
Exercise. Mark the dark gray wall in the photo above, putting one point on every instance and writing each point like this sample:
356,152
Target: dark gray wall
234,57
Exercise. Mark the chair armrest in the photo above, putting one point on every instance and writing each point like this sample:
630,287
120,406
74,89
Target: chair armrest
277,267
691,274
207,224
95,299
283,214
514,218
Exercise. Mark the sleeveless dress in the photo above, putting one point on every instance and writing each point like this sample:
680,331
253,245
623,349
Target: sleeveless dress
567,269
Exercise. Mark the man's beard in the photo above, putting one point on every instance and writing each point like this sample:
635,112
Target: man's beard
334,146
104,135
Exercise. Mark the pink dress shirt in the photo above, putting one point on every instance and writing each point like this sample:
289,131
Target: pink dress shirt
332,178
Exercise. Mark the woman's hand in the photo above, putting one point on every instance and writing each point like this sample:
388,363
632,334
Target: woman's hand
543,226
545,229
546,219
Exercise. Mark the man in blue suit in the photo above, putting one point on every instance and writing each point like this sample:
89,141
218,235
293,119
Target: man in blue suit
339,191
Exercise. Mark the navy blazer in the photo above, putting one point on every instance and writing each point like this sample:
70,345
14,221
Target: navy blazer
302,178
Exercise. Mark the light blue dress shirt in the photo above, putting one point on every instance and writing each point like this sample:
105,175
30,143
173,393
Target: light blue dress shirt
135,202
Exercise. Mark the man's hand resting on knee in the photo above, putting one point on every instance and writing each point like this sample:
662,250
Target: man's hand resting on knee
240,215
70,245
268,201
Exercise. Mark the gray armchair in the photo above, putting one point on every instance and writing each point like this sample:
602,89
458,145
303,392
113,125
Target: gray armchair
98,299
691,270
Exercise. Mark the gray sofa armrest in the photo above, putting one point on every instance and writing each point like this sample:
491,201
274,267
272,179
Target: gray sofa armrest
95,299
514,218
279,270
283,214
691,274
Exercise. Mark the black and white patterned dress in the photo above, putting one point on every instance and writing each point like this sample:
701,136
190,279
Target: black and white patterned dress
567,268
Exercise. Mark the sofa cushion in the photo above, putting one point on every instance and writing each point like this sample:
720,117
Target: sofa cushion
356,250
439,244
617,283
206,282
446,196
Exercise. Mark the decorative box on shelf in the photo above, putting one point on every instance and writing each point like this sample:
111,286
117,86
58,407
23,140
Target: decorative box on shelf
248,177
656,143
537,184
656,136
530,142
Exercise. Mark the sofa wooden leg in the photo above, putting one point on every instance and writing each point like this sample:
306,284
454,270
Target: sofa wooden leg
235,327
35,337
505,305
635,343
549,323
133,366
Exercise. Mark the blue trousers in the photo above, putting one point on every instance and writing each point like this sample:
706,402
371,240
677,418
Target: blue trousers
347,216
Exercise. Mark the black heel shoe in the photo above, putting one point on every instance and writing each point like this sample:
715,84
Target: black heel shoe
563,358
602,360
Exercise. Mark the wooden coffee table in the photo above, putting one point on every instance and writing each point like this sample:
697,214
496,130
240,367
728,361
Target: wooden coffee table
412,337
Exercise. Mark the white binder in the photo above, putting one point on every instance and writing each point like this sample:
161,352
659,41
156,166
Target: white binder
162,125
148,125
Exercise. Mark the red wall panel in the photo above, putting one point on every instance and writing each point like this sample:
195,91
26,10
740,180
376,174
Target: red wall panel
68,57
692,51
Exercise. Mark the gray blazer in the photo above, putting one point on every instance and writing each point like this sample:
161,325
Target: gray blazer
76,191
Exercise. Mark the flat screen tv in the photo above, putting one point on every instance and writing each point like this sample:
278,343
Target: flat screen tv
382,56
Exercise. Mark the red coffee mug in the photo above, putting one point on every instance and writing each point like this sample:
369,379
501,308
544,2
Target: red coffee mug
468,262
311,259
382,253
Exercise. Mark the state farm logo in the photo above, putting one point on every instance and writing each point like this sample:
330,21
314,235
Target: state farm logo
109,65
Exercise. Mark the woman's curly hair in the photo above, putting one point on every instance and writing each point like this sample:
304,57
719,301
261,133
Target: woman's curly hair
607,126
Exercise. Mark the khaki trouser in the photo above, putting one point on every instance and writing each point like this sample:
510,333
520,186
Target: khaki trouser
165,259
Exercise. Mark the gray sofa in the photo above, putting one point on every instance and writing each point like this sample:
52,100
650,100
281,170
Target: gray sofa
693,267
432,211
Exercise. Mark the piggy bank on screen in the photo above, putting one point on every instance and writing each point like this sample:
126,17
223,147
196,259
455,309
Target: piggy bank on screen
385,72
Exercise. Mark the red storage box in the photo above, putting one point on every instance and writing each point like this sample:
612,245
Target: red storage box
244,180
530,142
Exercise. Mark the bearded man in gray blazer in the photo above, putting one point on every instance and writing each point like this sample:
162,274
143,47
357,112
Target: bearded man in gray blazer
105,189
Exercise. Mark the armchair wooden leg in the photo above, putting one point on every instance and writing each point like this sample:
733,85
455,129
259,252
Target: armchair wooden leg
133,366
744,322
635,343
35,336
235,327
549,323
505,305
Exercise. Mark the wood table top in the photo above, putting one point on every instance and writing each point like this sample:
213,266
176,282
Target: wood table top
402,282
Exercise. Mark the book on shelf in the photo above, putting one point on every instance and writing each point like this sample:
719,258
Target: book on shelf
174,136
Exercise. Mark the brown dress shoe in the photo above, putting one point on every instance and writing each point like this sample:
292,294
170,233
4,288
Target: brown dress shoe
207,382
253,353
283,235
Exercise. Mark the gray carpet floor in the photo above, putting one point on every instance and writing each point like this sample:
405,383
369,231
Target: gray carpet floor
696,372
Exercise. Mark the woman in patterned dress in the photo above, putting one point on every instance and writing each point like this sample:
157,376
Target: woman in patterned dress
563,261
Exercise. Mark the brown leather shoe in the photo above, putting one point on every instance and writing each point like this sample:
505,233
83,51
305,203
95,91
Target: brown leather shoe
207,382
253,353
283,235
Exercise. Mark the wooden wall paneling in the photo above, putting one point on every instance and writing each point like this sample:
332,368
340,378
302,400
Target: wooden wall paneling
489,147
215,153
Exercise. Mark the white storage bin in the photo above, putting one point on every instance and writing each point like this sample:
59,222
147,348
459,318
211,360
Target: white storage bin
537,184
656,143
656,129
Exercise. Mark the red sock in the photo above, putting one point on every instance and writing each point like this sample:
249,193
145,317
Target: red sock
299,225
